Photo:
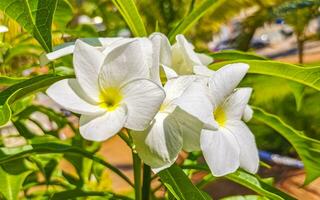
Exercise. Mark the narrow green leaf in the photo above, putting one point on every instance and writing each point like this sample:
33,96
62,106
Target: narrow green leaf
63,14
192,18
5,80
12,176
129,12
235,55
250,181
298,92
75,194
258,186
33,15
47,145
309,76
23,89
180,185
307,148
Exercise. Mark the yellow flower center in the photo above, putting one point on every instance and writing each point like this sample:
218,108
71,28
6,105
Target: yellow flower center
163,107
111,98
220,116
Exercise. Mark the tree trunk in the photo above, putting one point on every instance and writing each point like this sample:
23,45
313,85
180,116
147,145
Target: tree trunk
300,49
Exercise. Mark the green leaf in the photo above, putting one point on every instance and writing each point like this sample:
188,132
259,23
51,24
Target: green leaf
47,145
12,175
235,55
5,80
253,183
129,12
307,148
33,15
247,180
63,14
23,89
192,18
76,193
180,185
309,76
298,92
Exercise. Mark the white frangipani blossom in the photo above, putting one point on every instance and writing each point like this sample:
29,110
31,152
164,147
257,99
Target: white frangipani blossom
179,59
185,60
161,143
111,89
232,145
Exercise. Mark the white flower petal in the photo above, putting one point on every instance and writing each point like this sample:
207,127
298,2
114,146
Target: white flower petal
170,73
187,49
109,40
102,127
111,45
87,62
196,102
190,128
203,71
128,61
46,58
248,113
205,59
183,56
143,99
249,157
161,54
175,87
159,145
220,150
162,48
225,80
235,104
68,94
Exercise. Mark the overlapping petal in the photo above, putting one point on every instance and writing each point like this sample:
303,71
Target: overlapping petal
87,61
249,158
221,151
143,99
175,87
195,101
161,55
126,62
225,80
102,127
68,94
160,144
234,106
248,113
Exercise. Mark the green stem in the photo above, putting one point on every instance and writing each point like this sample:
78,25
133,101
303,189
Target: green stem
137,175
146,182
126,137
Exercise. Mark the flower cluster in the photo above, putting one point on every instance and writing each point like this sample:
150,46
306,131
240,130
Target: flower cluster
120,85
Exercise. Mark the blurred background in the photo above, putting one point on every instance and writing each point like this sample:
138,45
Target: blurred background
281,30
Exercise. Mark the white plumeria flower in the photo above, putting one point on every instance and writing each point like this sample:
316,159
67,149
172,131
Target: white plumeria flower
111,89
233,144
161,143
179,59
3,29
186,61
